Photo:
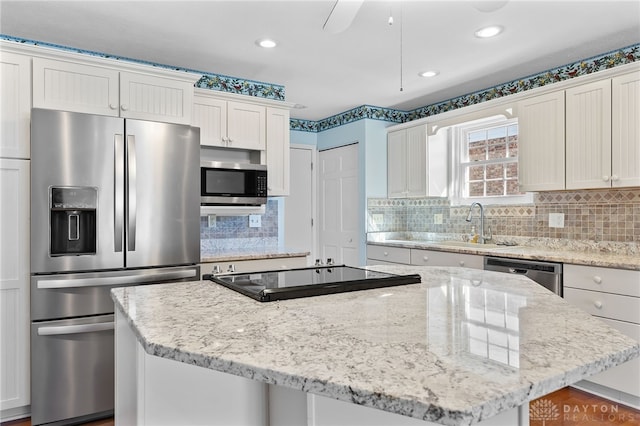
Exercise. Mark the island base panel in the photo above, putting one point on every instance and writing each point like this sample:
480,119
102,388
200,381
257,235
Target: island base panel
323,411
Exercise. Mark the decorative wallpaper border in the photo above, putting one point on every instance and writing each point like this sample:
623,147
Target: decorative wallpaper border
601,62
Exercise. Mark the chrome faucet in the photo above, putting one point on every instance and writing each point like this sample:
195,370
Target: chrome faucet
483,238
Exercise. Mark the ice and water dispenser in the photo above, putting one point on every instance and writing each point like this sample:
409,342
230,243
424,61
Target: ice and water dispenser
72,214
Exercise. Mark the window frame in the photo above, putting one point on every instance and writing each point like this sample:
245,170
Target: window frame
459,162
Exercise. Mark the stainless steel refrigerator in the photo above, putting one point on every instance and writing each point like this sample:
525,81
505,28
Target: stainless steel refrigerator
114,202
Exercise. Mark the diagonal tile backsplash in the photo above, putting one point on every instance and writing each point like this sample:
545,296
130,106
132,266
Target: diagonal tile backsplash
595,215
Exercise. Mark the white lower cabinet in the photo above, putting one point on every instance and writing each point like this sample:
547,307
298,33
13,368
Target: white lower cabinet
612,295
441,258
255,265
385,255
14,288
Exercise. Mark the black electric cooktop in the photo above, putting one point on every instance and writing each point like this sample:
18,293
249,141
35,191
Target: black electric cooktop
312,281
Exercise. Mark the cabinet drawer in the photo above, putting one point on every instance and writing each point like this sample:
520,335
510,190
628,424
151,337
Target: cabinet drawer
614,306
607,280
389,254
618,377
441,258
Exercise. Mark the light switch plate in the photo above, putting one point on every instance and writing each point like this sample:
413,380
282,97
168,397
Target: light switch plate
255,221
437,218
556,220
211,220
378,219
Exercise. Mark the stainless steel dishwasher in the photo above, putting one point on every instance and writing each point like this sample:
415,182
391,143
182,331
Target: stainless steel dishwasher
548,275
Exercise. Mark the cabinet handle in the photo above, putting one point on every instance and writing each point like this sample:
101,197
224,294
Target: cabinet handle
124,107
112,106
597,279
386,254
462,263
229,140
605,178
425,258
598,304
614,178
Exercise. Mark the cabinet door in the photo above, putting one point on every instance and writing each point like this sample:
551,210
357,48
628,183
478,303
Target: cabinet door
15,105
396,167
588,137
211,116
416,161
278,151
625,132
14,283
146,97
541,143
246,126
69,86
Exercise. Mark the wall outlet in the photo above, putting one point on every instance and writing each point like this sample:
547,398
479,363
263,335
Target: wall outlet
378,219
211,220
556,220
255,221
437,218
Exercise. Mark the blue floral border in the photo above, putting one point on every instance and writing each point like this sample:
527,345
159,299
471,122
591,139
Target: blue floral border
605,61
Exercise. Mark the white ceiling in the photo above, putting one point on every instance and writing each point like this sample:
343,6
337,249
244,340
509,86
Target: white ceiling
332,73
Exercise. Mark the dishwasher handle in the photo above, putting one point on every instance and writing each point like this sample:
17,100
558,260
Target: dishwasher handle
518,271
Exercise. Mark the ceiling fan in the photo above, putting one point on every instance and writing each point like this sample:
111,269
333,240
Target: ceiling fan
341,15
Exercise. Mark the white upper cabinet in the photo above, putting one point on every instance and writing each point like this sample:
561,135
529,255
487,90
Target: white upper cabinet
278,151
72,86
625,136
229,123
603,133
541,156
15,105
588,137
407,162
246,125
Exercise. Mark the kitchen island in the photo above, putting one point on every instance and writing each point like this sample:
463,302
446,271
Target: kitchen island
462,347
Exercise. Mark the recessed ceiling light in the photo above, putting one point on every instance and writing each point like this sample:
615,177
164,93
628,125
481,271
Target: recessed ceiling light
490,31
430,73
266,43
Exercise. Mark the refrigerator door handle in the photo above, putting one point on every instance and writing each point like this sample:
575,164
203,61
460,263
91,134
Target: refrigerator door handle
75,329
148,277
132,196
118,192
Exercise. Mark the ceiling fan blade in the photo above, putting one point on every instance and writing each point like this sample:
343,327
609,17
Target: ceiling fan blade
341,16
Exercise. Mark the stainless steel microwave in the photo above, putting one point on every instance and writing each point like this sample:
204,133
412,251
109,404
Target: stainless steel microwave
240,184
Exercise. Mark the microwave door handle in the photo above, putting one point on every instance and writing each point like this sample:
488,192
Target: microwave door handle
118,191
132,197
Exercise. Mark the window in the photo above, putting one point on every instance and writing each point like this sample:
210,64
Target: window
486,162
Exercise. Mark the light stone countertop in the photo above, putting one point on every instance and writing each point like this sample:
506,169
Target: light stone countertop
562,254
461,346
250,253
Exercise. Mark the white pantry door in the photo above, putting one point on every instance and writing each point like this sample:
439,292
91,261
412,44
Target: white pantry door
299,205
338,205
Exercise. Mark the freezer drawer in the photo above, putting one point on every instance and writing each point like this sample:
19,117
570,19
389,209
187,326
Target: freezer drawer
72,368
57,296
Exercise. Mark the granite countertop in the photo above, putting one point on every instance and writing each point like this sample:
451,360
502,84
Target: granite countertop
461,346
250,253
591,256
